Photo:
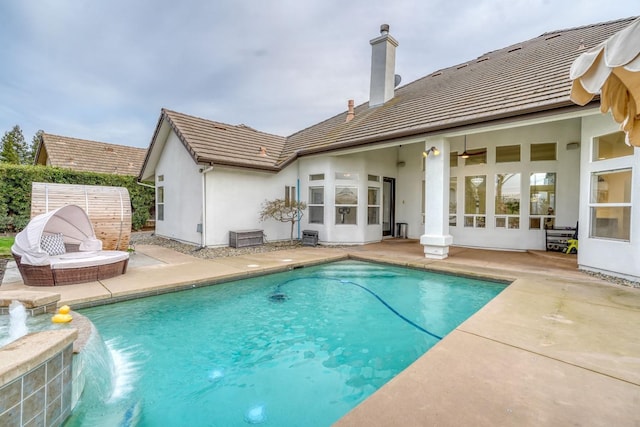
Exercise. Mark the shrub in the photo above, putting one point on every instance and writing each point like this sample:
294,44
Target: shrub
15,192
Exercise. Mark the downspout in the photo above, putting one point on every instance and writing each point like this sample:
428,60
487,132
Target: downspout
298,199
204,205
298,195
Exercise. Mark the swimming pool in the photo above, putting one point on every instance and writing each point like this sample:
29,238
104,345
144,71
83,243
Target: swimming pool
296,348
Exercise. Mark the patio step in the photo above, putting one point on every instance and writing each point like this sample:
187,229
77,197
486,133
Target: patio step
557,258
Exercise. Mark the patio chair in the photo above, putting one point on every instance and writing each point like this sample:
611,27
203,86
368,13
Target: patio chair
61,248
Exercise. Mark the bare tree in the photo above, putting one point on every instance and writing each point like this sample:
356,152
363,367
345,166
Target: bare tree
283,211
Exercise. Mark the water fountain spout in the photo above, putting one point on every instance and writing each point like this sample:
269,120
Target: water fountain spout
17,320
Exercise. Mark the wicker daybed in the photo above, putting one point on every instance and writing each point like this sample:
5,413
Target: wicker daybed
60,248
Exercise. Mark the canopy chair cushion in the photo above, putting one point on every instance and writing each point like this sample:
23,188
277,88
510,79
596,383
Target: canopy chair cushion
61,248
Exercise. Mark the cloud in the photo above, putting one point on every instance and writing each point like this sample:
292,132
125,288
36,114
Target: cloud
103,70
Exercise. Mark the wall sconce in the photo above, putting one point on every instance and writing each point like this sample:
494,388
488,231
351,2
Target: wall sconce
433,150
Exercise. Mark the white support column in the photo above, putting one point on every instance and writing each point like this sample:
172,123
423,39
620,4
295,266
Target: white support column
436,238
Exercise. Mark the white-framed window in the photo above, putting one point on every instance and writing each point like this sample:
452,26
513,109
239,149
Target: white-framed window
160,204
373,205
346,204
542,200
423,201
347,175
453,159
610,146
289,196
610,204
453,201
316,177
508,153
476,157
316,205
543,151
507,200
475,201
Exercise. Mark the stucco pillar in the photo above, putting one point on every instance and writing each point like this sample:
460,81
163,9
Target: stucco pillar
436,238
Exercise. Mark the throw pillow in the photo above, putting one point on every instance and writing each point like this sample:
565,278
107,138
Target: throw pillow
53,244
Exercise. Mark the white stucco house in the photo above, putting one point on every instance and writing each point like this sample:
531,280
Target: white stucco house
535,160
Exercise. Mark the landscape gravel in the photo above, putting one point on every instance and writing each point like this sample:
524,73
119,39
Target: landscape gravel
148,238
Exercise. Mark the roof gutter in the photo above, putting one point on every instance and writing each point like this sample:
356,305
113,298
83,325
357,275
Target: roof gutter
145,185
238,165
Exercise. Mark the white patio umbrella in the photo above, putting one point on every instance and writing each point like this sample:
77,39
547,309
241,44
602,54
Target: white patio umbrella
613,69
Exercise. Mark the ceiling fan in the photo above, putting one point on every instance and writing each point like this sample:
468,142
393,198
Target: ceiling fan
465,154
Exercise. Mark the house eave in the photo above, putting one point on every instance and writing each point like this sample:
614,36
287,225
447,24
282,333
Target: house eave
534,112
237,165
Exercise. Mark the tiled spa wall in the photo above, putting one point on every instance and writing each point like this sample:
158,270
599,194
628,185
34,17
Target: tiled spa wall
42,395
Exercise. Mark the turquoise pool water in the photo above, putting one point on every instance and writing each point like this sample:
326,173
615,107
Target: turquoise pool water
300,348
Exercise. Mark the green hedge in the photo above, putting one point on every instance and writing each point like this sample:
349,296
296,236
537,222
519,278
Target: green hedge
15,192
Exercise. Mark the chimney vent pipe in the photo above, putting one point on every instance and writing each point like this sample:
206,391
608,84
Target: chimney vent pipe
350,112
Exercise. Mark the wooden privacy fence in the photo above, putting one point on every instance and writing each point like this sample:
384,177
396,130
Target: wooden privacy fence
108,208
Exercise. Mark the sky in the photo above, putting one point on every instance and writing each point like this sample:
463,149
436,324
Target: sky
102,70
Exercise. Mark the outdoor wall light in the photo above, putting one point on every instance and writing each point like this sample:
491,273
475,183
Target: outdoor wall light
433,150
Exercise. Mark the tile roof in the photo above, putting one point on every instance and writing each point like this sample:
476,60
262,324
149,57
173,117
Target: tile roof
89,156
224,144
528,77
519,79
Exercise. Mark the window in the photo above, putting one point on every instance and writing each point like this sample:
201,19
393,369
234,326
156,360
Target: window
160,178
423,201
160,204
346,202
507,200
316,205
346,175
546,151
373,205
508,153
610,204
316,177
453,201
453,159
475,205
610,146
542,202
373,178
476,157
289,196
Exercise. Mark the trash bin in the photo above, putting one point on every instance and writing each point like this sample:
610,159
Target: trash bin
402,230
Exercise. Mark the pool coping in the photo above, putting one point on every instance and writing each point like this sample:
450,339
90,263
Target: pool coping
541,324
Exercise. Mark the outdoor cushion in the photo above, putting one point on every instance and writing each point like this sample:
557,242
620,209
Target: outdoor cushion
79,260
53,244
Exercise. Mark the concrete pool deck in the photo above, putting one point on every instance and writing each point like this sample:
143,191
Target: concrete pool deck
556,347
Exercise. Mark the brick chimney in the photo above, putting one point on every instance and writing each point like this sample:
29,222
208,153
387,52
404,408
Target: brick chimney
383,66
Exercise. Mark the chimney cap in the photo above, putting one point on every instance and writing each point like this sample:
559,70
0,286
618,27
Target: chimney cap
384,29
